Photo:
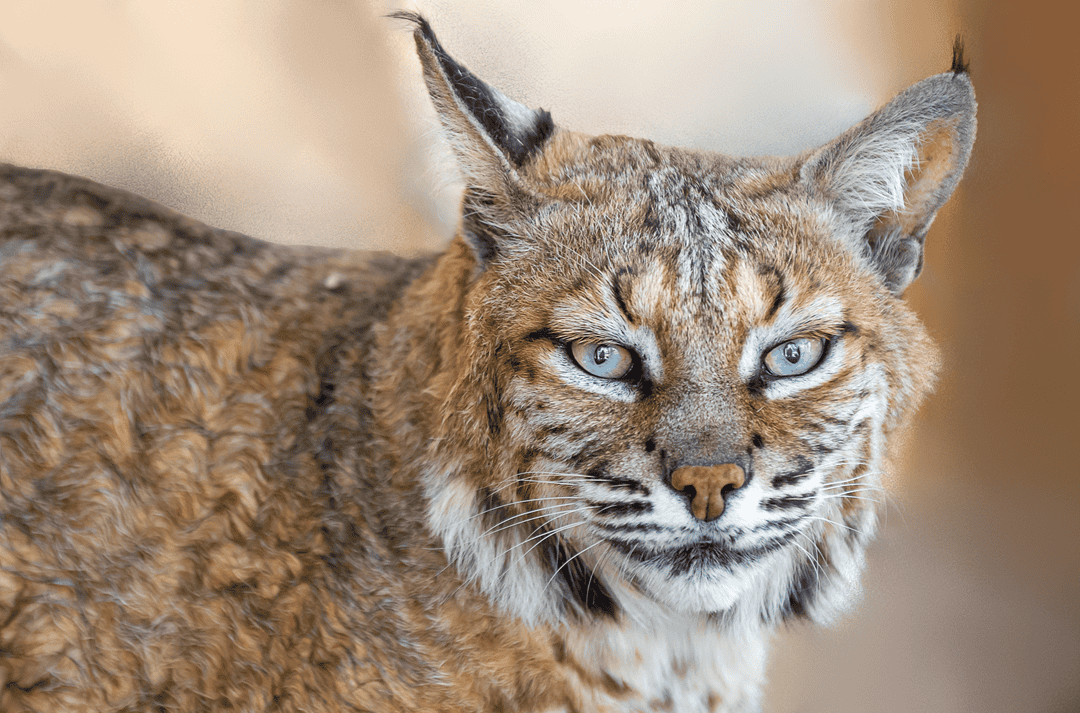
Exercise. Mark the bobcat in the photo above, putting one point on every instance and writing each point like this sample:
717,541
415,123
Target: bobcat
588,458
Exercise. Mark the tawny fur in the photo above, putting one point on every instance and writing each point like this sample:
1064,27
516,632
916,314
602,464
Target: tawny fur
240,476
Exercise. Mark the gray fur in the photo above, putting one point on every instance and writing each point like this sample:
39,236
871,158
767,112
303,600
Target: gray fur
871,172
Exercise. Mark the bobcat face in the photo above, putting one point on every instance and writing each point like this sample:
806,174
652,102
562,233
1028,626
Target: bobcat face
689,301
680,369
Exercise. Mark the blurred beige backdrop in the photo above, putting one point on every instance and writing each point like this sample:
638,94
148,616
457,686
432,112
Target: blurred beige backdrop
306,122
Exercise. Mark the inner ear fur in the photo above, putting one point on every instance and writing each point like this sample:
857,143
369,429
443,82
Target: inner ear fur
891,173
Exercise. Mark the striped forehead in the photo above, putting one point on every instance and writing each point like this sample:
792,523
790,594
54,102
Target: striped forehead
730,290
684,210
683,256
688,228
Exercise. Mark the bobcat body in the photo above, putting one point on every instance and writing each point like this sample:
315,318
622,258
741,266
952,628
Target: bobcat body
586,459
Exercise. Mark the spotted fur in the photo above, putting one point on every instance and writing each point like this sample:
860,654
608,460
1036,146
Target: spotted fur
240,476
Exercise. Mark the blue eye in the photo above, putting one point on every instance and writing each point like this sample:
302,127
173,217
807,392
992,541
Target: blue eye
607,361
794,357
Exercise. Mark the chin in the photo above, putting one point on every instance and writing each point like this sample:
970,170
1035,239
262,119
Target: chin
713,589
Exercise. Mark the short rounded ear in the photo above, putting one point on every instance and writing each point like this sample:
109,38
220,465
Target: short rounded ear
492,137
891,173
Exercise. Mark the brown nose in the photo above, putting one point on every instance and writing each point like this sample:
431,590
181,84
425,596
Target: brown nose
706,486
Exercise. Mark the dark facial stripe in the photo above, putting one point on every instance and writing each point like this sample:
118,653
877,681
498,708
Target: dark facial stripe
621,509
803,467
600,474
756,385
617,483
779,525
617,292
582,584
552,430
629,527
542,334
781,291
818,417
483,238
734,222
624,484
804,588
493,510
494,414
788,502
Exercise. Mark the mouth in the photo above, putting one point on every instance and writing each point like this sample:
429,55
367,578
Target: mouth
701,555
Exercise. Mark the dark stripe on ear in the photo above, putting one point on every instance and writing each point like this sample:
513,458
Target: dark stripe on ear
581,582
518,142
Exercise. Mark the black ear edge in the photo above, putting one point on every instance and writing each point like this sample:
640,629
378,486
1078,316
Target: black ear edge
519,137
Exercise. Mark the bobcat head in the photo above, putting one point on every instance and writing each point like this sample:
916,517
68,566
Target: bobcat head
661,380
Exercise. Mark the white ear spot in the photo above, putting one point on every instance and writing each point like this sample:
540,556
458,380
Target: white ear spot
519,119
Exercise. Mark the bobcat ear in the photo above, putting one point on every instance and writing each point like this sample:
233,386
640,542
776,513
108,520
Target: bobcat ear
891,173
473,111
491,134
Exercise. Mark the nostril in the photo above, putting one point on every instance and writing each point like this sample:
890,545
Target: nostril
707,487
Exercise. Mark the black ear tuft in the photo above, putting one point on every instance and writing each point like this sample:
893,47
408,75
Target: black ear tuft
516,130
959,64
414,17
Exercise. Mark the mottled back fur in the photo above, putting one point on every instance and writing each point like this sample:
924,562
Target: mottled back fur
586,459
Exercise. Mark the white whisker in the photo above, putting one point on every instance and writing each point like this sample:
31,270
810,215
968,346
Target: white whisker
576,555
536,515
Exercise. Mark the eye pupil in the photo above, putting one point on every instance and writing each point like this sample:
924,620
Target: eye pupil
603,359
794,357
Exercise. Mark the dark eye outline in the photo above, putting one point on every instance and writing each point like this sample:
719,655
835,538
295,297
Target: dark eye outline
826,346
632,373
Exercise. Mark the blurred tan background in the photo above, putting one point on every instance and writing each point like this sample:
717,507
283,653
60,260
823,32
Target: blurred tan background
306,122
